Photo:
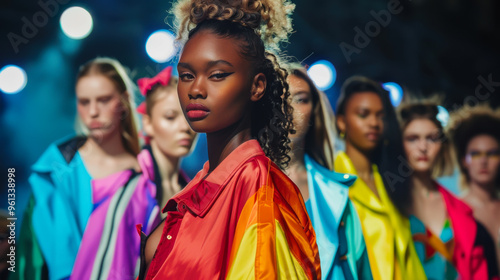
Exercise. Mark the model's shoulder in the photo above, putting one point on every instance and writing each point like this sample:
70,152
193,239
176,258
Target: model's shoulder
59,153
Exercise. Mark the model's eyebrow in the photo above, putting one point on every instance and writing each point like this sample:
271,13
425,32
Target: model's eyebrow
220,61
210,64
184,65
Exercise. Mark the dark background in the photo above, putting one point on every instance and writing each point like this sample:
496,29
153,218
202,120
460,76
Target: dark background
428,46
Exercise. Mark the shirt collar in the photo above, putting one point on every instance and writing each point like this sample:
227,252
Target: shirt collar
359,190
200,194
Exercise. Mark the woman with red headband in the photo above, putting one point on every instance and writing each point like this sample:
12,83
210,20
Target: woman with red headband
168,135
110,247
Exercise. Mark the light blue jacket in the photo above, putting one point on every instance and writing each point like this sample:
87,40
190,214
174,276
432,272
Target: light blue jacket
62,192
330,209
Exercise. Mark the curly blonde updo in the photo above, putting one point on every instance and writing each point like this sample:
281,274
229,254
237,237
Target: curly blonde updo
270,19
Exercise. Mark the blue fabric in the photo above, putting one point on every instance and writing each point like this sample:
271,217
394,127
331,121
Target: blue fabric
329,206
63,204
436,266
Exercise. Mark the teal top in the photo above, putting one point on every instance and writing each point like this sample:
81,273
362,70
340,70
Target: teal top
339,235
436,266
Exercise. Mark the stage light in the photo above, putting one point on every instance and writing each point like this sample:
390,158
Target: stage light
76,22
160,46
323,74
395,92
443,116
13,79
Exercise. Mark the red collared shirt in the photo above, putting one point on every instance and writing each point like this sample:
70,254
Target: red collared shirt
245,216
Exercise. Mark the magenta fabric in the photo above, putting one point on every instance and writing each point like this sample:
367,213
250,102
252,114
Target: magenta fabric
469,261
110,247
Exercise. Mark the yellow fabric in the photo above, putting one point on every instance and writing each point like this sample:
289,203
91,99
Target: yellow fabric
387,233
261,249
242,268
437,244
288,266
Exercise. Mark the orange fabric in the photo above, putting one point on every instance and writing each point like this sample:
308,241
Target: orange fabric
263,209
209,218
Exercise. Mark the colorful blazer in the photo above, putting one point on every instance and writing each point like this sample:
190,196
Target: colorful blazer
338,230
387,233
244,220
110,247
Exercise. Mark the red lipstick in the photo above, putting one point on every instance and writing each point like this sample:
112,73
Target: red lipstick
423,158
195,111
372,136
95,125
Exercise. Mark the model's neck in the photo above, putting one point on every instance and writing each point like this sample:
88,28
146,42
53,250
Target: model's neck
484,192
423,182
360,160
110,146
221,143
297,154
168,166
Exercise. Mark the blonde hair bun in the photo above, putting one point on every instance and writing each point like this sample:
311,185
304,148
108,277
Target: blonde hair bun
269,18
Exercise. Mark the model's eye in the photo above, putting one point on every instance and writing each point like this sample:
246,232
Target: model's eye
475,154
411,138
170,116
186,77
105,99
493,154
220,75
83,102
301,99
363,115
434,138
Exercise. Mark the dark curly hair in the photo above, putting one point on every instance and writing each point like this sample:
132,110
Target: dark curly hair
467,123
251,23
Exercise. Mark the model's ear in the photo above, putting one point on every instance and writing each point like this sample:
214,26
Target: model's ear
124,98
341,123
258,87
147,125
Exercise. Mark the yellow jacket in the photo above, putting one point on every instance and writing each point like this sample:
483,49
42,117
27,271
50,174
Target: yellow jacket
387,233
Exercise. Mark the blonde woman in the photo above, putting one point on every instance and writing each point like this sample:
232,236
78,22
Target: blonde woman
62,200
449,242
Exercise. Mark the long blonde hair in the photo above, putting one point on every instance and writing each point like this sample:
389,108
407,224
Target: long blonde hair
115,72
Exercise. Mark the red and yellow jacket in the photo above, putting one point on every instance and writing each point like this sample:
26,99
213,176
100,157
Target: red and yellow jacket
244,220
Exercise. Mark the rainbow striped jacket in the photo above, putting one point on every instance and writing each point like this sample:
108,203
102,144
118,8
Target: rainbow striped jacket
244,220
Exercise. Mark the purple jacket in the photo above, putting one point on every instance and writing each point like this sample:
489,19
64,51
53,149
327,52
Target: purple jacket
110,246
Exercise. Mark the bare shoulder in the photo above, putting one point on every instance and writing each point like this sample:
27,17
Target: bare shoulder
152,243
466,198
131,162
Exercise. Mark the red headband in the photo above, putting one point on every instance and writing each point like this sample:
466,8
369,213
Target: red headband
145,85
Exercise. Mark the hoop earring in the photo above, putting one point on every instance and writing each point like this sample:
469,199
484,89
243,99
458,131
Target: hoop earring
342,135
